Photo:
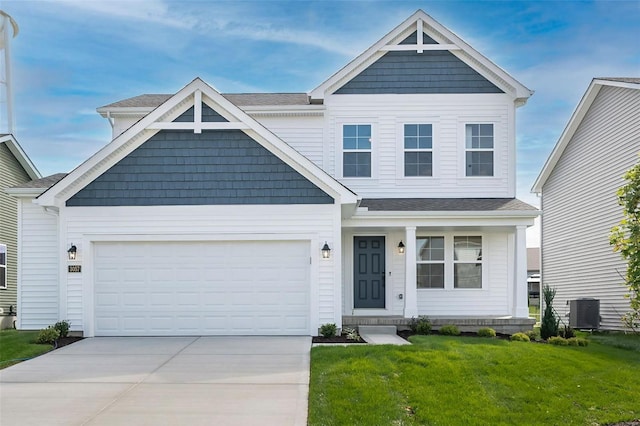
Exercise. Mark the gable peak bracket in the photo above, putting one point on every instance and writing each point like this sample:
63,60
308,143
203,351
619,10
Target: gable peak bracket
420,46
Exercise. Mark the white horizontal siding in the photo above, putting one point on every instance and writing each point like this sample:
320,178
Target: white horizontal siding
448,114
304,134
492,300
312,221
580,206
38,278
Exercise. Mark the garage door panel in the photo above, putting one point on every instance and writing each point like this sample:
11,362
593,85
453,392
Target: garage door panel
252,287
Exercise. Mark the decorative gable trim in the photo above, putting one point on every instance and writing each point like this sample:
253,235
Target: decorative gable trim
162,117
573,124
445,40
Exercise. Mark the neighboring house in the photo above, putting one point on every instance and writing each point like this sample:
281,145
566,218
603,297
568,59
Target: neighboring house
533,275
15,169
578,185
385,193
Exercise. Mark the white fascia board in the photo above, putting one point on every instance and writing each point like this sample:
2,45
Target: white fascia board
626,85
567,134
518,91
126,111
24,192
139,133
448,214
437,222
21,156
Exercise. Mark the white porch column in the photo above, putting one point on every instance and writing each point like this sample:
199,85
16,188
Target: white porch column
410,288
521,309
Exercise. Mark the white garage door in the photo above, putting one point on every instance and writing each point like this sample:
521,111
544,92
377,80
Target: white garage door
201,288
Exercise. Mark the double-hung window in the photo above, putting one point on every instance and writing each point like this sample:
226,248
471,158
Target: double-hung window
418,150
479,149
3,266
430,262
356,150
467,262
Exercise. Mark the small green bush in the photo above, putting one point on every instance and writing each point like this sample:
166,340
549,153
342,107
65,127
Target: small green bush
63,327
567,332
449,330
533,334
577,341
519,337
558,341
351,334
47,336
486,332
422,325
328,330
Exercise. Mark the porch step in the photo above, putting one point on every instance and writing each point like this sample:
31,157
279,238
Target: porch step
378,329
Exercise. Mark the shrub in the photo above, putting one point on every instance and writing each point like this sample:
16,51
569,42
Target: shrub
558,341
486,332
519,337
533,334
549,324
328,330
48,336
577,341
449,330
63,327
352,334
567,332
421,325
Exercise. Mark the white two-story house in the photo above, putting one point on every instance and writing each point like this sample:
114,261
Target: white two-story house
385,193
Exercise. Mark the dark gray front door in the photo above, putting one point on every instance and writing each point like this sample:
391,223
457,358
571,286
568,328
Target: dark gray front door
368,272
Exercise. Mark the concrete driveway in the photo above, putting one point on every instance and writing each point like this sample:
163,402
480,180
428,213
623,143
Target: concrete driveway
161,381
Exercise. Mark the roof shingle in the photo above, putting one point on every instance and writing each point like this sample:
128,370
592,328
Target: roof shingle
239,99
445,204
45,182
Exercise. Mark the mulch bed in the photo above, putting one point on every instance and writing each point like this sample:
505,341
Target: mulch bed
335,339
64,341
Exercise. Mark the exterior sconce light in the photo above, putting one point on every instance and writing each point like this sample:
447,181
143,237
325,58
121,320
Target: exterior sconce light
71,253
326,251
401,247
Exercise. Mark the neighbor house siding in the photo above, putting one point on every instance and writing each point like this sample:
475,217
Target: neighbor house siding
580,206
404,72
312,222
11,174
39,267
448,113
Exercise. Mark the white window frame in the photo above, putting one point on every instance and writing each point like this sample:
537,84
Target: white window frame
340,150
418,149
465,262
463,145
442,262
435,146
449,262
3,266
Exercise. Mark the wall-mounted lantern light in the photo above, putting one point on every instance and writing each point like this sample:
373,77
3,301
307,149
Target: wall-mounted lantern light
326,251
401,247
71,253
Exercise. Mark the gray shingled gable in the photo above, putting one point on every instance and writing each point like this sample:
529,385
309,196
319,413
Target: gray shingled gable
179,167
407,72
445,204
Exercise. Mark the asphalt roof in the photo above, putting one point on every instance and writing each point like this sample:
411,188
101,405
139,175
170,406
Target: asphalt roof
621,79
445,204
45,182
239,99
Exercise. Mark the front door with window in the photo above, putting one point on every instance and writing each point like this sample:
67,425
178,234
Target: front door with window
368,273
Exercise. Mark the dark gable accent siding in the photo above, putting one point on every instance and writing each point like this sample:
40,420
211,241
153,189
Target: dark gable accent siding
178,167
406,72
208,115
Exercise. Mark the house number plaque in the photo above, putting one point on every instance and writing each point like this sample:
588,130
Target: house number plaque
75,268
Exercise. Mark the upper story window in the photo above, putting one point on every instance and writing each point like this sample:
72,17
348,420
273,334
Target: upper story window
467,262
418,150
479,149
356,147
3,266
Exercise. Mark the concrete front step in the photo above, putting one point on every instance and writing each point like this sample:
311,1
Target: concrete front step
378,329
506,325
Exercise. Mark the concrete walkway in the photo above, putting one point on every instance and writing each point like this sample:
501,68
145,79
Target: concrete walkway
161,381
381,335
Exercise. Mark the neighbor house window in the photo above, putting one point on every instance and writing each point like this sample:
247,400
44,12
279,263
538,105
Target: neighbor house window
3,266
467,262
356,147
479,149
430,262
418,150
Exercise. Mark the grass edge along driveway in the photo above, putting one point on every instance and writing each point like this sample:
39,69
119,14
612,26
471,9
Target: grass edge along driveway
16,346
443,380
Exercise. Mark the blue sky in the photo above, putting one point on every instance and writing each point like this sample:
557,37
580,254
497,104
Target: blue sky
72,56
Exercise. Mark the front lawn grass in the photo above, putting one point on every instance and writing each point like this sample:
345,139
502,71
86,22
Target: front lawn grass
442,380
17,345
